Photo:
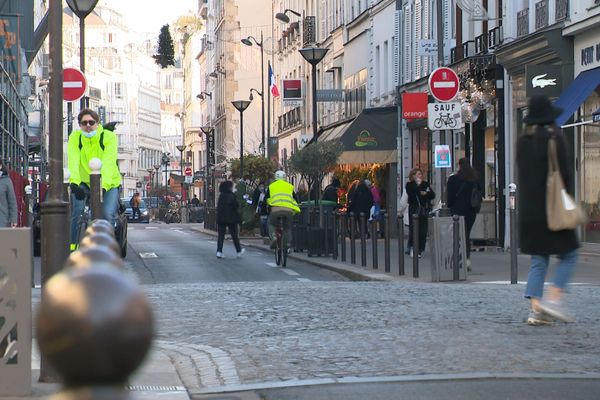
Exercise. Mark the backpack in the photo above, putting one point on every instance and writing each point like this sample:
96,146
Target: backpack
476,198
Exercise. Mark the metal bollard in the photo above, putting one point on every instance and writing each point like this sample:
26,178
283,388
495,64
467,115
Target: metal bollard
415,218
363,239
514,261
386,242
95,188
344,227
352,238
326,235
374,243
455,247
335,218
400,220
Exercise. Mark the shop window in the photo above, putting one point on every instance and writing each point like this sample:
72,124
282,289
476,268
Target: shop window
589,173
421,151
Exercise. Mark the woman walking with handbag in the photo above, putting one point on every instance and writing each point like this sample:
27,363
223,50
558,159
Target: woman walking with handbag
419,195
542,142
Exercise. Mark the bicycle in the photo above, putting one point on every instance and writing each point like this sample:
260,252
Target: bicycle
281,251
444,119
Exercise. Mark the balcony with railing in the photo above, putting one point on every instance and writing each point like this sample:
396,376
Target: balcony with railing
523,22
289,120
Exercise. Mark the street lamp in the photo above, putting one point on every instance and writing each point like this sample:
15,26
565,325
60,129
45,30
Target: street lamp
204,95
283,16
208,132
248,42
150,171
82,8
165,159
156,167
314,55
241,106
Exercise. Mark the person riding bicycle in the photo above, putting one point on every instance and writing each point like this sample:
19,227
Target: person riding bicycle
92,141
282,201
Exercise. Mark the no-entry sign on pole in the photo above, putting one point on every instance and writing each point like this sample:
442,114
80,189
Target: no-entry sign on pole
74,84
188,171
443,84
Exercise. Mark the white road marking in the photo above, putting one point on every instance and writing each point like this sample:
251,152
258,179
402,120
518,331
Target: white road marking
290,272
303,280
272,265
152,227
148,255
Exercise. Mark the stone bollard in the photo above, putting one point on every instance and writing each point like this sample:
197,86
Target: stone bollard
94,327
87,256
100,239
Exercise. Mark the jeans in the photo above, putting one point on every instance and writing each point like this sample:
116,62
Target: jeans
233,230
264,225
109,211
134,211
539,267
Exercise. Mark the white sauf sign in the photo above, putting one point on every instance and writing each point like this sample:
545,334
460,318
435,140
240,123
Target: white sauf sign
444,116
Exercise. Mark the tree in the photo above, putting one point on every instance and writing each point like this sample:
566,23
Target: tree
166,52
256,168
315,161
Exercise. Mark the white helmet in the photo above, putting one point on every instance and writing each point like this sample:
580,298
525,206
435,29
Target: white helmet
280,175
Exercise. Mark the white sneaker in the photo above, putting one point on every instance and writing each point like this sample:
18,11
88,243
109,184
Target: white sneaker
241,252
220,255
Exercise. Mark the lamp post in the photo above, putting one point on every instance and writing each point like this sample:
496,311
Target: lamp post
150,171
208,132
263,144
314,55
82,8
283,16
156,167
181,148
241,106
165,159
248,42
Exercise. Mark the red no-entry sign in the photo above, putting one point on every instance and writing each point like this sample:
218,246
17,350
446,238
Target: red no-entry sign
443,84
74,84
188,171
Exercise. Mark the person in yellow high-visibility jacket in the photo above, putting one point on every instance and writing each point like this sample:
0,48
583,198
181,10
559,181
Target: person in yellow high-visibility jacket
282,201
92,140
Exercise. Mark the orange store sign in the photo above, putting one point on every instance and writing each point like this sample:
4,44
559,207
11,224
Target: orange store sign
414,105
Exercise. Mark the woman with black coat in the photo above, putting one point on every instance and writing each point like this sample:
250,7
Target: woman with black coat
419,194
534,236
361,202
228,217
460,190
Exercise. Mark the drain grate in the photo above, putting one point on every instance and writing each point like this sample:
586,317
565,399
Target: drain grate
149,388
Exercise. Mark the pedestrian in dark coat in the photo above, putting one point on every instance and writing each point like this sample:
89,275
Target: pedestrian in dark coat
361,201
228,217
8,202
460,190
419,195
534,236
331,191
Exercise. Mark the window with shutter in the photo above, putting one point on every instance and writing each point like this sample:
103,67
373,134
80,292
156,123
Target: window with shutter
406,54
395,49
417,36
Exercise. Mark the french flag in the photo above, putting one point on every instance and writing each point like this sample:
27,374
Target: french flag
272,84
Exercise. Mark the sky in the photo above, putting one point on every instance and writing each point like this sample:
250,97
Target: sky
151,15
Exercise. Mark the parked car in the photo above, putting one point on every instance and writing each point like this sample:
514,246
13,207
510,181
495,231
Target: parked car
121,229
144,216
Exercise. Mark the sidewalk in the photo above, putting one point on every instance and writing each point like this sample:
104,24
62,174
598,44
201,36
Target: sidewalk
490,267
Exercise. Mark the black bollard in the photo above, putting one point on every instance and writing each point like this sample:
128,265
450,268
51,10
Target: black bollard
416,243
335,218
400,220
363,239
455,247
374,243
95,188
386,242
344,227
514,261
352,238
326,228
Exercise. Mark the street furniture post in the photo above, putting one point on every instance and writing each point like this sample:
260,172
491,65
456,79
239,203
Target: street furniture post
455,247
400,220
514,261
363,240
416,244
95,188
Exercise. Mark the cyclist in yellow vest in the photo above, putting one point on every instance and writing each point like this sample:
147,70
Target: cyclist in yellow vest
92,141
281,199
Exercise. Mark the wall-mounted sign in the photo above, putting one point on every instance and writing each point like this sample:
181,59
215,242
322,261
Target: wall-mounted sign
427,48
10,44
442,116
414,105
443,156
332,95
543,79
365,139
292,92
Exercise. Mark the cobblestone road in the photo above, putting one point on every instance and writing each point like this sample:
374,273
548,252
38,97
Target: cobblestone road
224,334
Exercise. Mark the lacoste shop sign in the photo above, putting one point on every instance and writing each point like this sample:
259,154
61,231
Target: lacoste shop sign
543,79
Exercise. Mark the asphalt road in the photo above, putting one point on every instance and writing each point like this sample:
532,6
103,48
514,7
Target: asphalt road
493,389
163,254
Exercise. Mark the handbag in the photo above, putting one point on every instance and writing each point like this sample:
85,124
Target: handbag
562,212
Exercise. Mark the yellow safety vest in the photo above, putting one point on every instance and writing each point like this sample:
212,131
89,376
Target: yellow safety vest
281,194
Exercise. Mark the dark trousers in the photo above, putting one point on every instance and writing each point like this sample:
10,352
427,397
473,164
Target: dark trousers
233,230
423,226
469,222
135,210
